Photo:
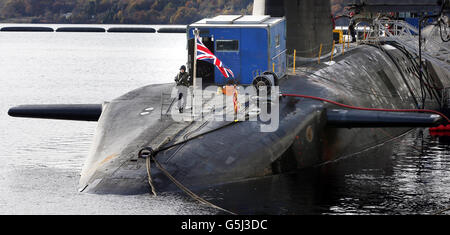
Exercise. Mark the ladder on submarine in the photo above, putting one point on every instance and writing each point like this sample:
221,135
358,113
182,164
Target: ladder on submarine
406,35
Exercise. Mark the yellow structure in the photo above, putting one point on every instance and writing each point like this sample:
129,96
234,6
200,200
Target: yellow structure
320,52
338,36
332,50
293,66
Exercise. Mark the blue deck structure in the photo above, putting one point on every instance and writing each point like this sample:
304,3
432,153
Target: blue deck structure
248,45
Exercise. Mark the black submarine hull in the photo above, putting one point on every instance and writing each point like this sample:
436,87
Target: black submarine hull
365,76
235,159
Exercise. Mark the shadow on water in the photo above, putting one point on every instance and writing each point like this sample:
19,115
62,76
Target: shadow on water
410,175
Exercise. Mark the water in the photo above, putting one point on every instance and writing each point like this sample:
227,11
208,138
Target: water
40,160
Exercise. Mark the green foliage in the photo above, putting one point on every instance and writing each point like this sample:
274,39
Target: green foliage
120,11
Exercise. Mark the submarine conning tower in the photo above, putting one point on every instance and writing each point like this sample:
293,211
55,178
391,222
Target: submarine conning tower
309,23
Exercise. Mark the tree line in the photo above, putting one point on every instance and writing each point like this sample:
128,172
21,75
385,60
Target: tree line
120,11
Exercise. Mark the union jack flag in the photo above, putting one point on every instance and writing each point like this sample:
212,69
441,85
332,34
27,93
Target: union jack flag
203,53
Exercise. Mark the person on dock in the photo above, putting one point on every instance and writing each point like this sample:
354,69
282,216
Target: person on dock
183,81
351,29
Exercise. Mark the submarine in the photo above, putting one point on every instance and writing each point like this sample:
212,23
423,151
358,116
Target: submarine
293,118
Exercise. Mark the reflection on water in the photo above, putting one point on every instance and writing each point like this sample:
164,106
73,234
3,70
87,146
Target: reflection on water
413,179
40,160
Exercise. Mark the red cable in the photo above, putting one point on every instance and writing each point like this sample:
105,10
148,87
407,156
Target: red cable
370,109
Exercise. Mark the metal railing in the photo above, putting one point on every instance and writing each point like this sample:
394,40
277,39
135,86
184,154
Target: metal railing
406,35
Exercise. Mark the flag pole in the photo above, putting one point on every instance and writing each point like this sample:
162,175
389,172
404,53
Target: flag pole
195,100
196,33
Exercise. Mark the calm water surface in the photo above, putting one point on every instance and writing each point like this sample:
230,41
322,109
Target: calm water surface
40,160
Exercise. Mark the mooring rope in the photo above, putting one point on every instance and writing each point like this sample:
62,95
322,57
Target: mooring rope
149,176
441,211
186,190
151,156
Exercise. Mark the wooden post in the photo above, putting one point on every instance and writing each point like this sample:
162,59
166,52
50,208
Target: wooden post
320,52
332,50
343,48
295,53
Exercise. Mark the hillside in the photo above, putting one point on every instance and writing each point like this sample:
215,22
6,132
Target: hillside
123,11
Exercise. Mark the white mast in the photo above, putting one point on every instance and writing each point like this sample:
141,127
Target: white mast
196,33
259,7
197,92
